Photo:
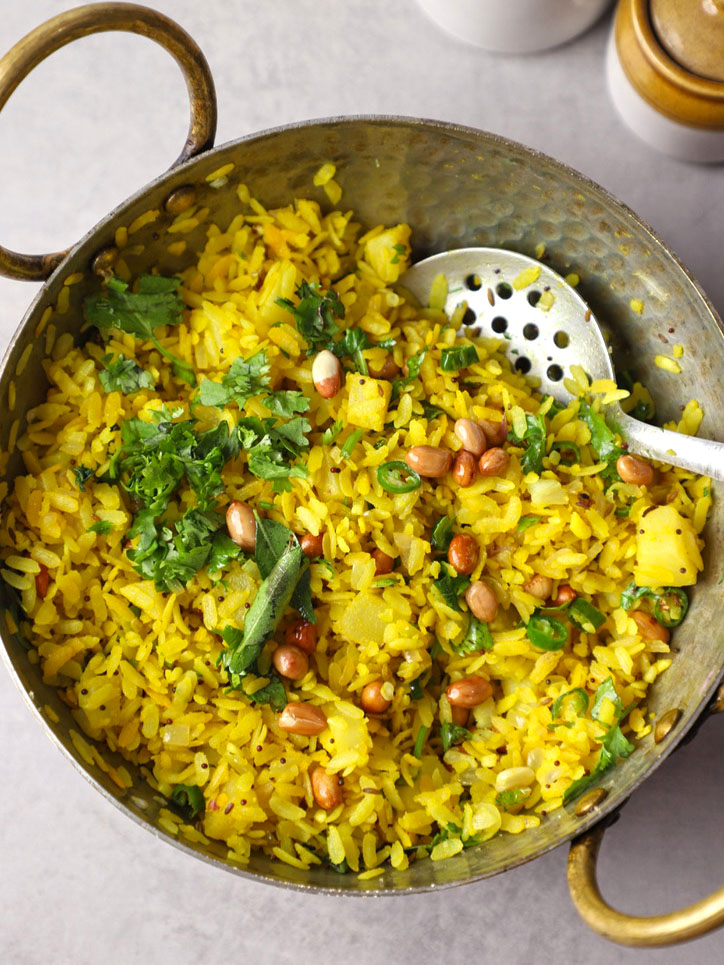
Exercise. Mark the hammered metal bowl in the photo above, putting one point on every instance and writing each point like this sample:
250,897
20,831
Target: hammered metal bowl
456,187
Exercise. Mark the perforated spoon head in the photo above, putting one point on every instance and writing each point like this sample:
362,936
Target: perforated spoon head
546,325
547,328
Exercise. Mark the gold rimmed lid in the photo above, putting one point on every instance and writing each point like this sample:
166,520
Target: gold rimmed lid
692,33
669,50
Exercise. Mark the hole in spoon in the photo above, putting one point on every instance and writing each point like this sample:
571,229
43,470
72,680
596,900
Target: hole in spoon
533,298
469,317
473,282
522,365
499,324
554,373
530,331
503,289
561,339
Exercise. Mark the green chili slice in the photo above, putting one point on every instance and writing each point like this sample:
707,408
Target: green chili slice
581,702
546,633
585,615
671,606
397,477
459,357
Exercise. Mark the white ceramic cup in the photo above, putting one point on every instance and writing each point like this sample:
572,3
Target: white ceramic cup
515,26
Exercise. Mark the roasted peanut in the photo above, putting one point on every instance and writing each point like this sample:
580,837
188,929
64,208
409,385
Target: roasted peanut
469,692
481,601
42,579
464,468
326,374
373,700
241,525
471,436
429,461
312,546
383,562
494,462
290,661
302,634
565,594
634,470
326,788
495,432
388,370
459,715
463,553
539,586
649,628
304,719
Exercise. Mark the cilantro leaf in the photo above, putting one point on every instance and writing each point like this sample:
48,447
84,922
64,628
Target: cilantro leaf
603,440
314,314
273,694
155,304
614,745
82,475
512,797
452,734
353,342
534,440
124,375
330,434
450,586
286,404
525,522
245,379
102,526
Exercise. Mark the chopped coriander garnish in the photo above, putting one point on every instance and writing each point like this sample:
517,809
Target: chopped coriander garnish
451,585
82,475
458,357
315,314
534,439
452,734
155,304
330,434
123,375
102,526
525,522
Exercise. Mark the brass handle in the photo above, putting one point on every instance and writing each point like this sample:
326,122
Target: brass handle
678,926
98,18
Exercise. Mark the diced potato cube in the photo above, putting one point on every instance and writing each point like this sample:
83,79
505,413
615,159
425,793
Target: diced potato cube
666,550
388,252
363,620
368,401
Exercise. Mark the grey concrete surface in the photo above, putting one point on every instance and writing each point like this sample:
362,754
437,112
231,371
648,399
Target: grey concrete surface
80,883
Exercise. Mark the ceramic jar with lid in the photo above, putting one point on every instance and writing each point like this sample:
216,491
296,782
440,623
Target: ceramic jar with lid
665,67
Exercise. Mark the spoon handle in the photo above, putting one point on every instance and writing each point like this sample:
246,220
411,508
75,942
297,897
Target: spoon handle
703,456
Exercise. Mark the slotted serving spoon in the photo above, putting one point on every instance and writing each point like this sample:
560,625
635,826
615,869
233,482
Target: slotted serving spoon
545,344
